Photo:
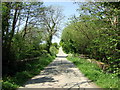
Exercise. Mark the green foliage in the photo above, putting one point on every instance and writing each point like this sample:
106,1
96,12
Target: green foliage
94,73
22,76
23,48
20,44
30,69
55,45
7,85
54,49
93,33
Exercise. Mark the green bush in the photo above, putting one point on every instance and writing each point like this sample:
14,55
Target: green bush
22,76
30,69
8,86
53,50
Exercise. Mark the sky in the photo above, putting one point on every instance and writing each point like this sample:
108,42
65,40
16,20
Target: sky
69,9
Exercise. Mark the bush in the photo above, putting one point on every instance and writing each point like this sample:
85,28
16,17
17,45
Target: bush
53,50
8,86
28,70
22,76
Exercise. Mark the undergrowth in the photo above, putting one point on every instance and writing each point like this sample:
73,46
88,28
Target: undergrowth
31,69
94,73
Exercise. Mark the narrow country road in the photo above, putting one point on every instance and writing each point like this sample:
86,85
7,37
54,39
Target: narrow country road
61,73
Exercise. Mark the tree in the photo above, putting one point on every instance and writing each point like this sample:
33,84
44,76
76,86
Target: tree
15,14
51,23
8,26
95,32
32,14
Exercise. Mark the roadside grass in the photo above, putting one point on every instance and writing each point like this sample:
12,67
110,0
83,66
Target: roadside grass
94,73
31,69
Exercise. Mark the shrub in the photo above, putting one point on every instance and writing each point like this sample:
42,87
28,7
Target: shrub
53,50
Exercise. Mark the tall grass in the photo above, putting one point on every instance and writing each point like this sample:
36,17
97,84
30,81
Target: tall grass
94,73
31,69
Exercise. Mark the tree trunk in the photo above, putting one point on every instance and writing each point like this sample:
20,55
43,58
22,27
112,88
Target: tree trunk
7,47
49,43
25,29
5,29
26,23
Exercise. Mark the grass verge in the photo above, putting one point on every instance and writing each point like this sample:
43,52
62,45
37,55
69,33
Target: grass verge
94,73
30,69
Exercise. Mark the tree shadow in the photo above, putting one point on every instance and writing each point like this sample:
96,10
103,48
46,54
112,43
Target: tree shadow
78,84
61,62
58,67
40,80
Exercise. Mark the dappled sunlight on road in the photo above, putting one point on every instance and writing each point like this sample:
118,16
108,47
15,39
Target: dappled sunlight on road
61,73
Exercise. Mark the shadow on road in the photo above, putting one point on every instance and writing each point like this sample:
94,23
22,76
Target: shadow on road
78,84
41,80
58,67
